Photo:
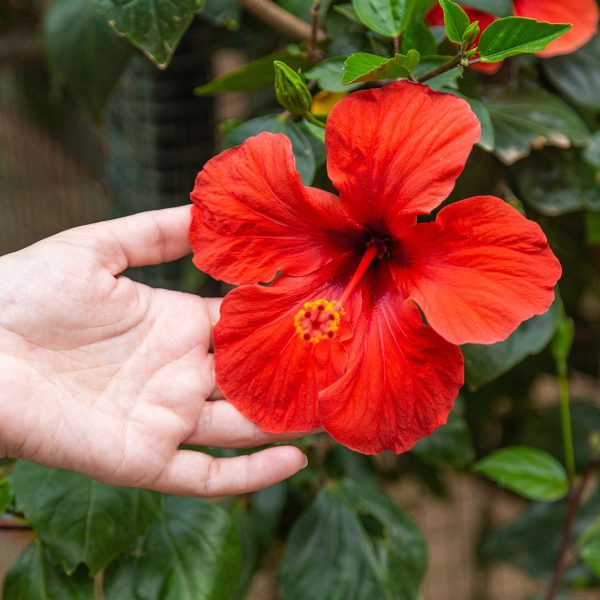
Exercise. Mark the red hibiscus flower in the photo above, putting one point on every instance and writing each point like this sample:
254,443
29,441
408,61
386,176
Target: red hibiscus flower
581,14
339,340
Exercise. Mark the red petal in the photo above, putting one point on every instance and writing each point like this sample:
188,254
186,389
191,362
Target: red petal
478,271
400,384
396,151
582,14
263,366
252,216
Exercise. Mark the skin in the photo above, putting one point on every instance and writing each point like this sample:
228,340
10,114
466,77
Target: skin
108,377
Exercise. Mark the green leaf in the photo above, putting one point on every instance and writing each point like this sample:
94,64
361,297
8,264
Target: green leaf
34,576
362,66
83,53
486,362
353,542
590,554
305,159
156,28
557,182
5,495
386,17
531,119
516,35
456,20
449,445
532,541
192,551
222,13
329,74
79,519
252,76
529,472
577,75
591,154
419,37
499,8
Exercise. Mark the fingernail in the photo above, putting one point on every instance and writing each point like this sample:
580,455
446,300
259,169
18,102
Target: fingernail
305,462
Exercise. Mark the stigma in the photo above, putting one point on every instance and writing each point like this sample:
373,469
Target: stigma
318,320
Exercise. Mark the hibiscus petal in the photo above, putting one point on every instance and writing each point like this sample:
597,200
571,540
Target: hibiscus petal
252,216
478,271
396,151
400,384
263,366
582,14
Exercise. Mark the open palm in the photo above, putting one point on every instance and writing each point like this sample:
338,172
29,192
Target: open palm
109,377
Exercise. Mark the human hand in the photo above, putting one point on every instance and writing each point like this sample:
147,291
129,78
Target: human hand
108,377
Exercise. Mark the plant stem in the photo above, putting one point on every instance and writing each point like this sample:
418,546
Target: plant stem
573,501
396,43
441,69
312,119
280,19
565,418
313,51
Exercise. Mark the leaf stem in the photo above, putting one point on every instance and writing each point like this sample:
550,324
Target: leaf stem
573,502
312,119
441,69
396,43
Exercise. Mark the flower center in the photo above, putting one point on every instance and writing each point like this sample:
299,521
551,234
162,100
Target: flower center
319,319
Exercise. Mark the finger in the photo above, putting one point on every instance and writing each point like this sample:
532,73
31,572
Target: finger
221,425
192,473
213,306
147,238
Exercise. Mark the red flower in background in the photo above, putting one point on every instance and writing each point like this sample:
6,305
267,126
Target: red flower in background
338,340
581,14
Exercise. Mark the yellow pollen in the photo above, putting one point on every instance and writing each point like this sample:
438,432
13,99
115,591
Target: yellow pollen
318,320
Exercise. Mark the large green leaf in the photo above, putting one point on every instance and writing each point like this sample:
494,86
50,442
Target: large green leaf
449,445
386,17
83,53
591,155
532,541
486,362
79,519
222,13
529,472
525,119
499,8
305,159
419,37
34,576
191,552
156,28
353,542
253,75
486,141
516,35
329,73
363,66
556,182
578,74
456,20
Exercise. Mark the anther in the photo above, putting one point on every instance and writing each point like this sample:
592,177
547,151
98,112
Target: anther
318,320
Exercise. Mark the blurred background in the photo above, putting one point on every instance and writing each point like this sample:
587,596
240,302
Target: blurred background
67,157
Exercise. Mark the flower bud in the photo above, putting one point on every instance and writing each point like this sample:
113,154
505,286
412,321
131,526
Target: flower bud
291,90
